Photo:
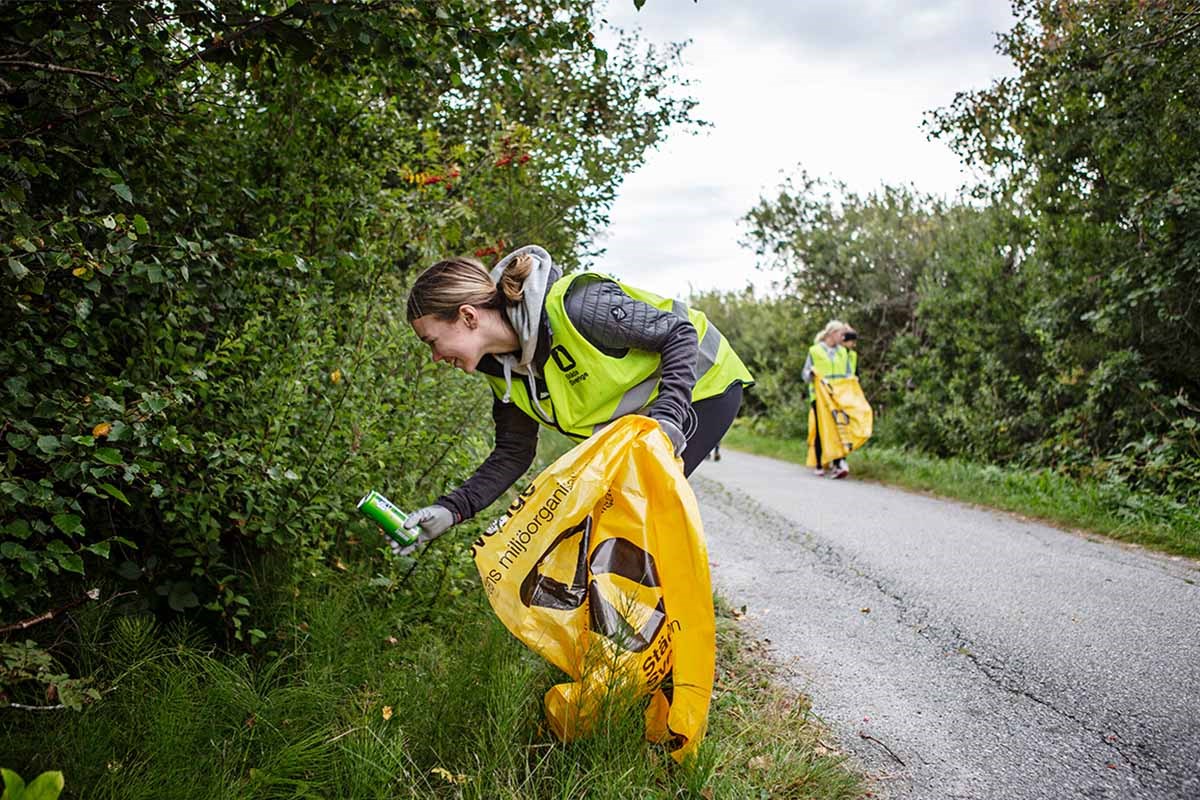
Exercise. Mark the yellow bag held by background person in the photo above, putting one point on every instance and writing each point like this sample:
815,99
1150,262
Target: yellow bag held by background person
846,418
600,567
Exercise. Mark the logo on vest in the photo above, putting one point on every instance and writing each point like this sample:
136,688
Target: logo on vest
567,364
562,358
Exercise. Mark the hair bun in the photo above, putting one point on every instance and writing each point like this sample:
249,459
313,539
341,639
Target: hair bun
512,280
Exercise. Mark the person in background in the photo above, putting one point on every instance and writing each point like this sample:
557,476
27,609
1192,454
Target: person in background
571,352
850,342
826,359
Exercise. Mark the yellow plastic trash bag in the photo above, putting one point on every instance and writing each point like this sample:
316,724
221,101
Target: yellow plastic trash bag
600,567
846,419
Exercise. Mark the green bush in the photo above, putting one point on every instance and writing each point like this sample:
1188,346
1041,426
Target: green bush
1048,319
208,221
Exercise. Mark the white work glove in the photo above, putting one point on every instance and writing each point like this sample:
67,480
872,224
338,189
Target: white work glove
434,521
678,440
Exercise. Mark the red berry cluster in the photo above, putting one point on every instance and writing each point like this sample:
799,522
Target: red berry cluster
433,178
509,154
496,250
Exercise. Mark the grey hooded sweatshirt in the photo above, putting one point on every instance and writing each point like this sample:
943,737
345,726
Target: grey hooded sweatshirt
610,320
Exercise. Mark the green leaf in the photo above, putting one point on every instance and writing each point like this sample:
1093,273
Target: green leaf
13,551
115,492
140,225
99,548
47,786
122,190
109,455
18,269
48,444
14,787
17,441
181,596
18,529
86,441
69,524
71,562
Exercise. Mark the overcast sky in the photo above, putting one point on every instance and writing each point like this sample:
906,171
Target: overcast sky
837,86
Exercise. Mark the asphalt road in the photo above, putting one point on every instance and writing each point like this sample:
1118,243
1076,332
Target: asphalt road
959,652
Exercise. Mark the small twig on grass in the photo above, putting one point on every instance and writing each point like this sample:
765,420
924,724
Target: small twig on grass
343,734
24,707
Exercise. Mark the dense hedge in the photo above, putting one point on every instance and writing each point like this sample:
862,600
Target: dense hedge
208,218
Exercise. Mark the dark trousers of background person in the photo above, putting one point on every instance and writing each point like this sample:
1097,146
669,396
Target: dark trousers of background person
817,431
714,415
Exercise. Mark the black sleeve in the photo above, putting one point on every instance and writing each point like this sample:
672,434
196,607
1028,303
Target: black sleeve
614,322
513,452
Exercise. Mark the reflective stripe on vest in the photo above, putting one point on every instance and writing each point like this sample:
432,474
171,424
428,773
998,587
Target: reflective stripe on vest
585,384
639,396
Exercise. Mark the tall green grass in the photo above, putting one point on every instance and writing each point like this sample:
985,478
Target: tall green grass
1110,508
355,700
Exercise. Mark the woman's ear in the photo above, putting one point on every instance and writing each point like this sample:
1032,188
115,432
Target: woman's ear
469,315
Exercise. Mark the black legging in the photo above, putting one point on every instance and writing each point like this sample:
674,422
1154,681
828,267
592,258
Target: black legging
817,433
714,415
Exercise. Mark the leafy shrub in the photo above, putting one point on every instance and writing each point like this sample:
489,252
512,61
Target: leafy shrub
208,220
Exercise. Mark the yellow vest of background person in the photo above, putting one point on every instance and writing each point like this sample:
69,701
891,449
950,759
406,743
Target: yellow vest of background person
589,389
839,366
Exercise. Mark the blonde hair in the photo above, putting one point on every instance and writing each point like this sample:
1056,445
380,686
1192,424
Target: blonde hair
448,285
830,327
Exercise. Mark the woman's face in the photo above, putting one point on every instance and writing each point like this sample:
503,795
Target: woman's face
459,342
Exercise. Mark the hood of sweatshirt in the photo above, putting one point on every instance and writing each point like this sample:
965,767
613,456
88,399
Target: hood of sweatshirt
526,317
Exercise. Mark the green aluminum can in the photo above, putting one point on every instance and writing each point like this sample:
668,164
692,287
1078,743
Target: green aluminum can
391,519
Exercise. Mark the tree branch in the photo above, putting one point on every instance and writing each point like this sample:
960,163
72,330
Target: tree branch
92,594
226,41
57,68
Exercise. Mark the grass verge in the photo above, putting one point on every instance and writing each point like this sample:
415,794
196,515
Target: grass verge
1110,509
354,701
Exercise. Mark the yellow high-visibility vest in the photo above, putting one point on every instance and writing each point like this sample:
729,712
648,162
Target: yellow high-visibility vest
589,389
837,367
